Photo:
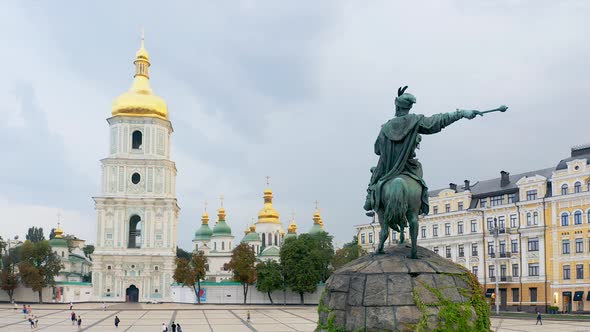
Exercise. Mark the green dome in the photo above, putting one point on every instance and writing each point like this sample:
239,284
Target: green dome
316,229
271,251
221,229
289,236
58,242
203,233
251,237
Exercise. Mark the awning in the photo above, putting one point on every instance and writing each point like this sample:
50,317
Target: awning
579,296
567,293
490,291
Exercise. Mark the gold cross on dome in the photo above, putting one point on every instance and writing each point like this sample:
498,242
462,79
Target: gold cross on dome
317,205
293,216
267,181
205,204
221,200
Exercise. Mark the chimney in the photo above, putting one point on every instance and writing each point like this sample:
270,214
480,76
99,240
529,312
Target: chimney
467,187
504,178
453,186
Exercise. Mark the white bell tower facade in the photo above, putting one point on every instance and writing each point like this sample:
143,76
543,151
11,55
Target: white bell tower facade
137,210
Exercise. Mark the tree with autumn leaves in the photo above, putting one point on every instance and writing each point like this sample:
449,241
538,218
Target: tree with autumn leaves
38,266
243,266
191,272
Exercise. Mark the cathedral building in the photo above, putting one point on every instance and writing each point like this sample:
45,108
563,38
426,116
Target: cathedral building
137,210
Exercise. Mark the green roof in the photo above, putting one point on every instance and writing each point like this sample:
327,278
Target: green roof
56,242
221,229
271,251
289,236
316,229
203,233
251,237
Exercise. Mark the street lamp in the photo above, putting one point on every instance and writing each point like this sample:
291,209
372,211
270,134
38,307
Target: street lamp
372,214
495,233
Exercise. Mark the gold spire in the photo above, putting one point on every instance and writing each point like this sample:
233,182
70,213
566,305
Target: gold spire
292,229
205,216
317,219
252,228
58,231
268,214
140,99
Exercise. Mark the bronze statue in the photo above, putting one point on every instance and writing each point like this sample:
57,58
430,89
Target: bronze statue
397,192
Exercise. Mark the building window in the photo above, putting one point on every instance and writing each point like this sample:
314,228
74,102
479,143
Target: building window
502,222
579,271
533,269
531,195
461,250
533,292
370,237
490,223
435,249
534,244
578,218
474,270
136,139
460,206
435,230
535,218
511,198
448,251
490,248
577,187
435,209
492,271
503,271
515,295
564,189
474,249
514,246
460,228
362,238
566,272
588,216
513,221
134,239
482,203
156,268
223,244
447,229
503,248
528,219
497,200
423,232
474,225
393,235
565,247
515,270
109,267
447,208
565,219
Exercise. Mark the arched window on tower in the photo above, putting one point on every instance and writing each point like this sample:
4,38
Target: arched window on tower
263,240
577,187
276,239
269,239
564,189
136,139
222,245
134,232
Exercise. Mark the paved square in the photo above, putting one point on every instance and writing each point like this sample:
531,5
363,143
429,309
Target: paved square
210,318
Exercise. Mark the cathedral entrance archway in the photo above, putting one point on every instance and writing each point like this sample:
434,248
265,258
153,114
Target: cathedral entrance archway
132,294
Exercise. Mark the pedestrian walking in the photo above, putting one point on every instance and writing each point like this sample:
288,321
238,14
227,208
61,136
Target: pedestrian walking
25,310
539,318
164,327
15,307
71,305
173,326
248,316
117,321
36,320
79,322
178,328
73,317
32,322
104,306
29,310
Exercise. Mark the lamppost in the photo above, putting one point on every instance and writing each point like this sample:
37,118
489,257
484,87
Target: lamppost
495,233
372,214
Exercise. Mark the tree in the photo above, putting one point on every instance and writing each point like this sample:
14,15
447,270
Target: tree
88,250
349,252
306,261
181,253
9,275
269,277
190,272
52,234
38,266
35,234
242,264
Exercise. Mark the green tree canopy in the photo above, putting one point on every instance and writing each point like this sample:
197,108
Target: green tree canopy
190,272
242,264
349,252
52,233
269,277
9,275
35,234
323,250
88,250
181,253
38,266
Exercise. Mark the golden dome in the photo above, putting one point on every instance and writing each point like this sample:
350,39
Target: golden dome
247,231
58,232
268,214
221,214
253,228
205,218
140,99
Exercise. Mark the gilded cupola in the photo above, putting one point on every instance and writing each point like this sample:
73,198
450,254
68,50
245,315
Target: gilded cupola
140,99
318,223
268,214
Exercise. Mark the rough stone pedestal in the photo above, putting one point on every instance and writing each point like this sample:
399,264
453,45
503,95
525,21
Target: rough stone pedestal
392,292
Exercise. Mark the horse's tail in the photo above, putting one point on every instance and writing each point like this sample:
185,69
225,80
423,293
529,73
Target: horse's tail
397,207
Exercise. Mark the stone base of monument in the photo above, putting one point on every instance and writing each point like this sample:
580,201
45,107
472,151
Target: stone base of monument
392,292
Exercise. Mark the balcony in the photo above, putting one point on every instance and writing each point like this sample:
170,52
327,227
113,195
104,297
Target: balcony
502,230
492,279
505,254
492,255
506,279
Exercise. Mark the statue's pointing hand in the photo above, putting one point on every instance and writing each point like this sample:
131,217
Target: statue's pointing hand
470,114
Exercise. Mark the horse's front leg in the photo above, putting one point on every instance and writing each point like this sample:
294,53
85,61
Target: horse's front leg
413,219
402,235
382,238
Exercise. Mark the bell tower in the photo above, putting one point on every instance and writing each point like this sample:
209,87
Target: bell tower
137,210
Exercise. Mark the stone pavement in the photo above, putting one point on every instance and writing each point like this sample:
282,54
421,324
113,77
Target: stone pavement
230,318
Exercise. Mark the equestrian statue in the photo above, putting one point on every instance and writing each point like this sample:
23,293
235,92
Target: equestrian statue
397,191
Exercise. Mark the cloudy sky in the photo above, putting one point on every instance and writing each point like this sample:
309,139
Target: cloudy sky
294,90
